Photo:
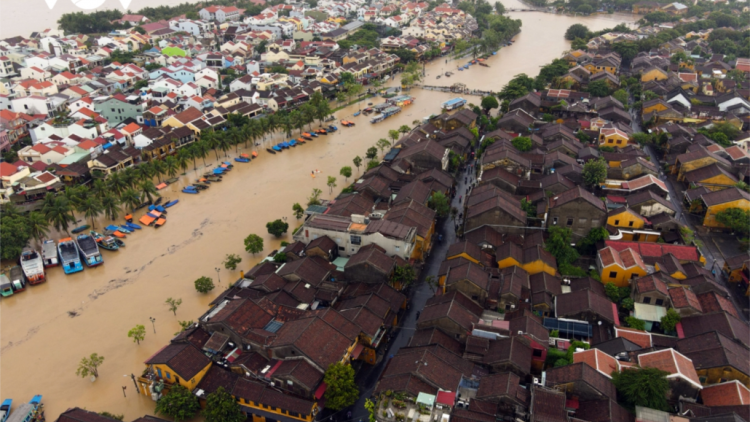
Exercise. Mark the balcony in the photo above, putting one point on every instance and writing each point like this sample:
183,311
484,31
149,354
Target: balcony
400,407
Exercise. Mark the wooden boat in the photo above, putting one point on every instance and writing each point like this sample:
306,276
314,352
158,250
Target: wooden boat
32,266
129,218
143,205
245,155
96,235
271,151
5,409
116,228
160,222
161,186
119,242
332,128
189,189
200,186
108,244
242,160
313,134
321,131
171,203
357,114
306,136
172,180
255,154
438,76
17,279
89,250
133,226
214,179
49,254
115,233
484,64
6,289
80,229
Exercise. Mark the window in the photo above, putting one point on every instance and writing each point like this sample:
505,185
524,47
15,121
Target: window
537,353
659,302
581,221
630,224
619,141
554,221
397,248
169,376
341,248
570,222
617,222
613,274
595,222
647,300
356,240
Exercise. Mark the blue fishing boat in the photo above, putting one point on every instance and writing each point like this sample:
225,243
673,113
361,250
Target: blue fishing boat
69,257
114,228
161,209
133,226
219,171
190,190
5,409
171,203
242,160
494,52
79,229
460,69
276,148
89,250
125,229
271,150
229,165
357,114
151,207
292,143
313,134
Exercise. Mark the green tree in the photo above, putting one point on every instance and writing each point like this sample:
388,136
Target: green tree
346,171
635,323
382,144
577,31
173,304
341,390
277,227
558,244
314,199
253,244
404,274
627,304
598,88
587,246
137,333
38,225
179,404
112,416
90,366
298,211
439,202
110,206
280,257
331,183
357,162
372,164
613,293
499,8
231,261
622,96
670,320
14,235
58,211
488,103
148,191
204,284
528,208
735,219
645,387
371,410
372,153
394,134
522,143
221,407
184,325
594,172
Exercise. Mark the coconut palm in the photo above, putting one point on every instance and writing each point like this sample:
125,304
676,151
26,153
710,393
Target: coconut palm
38,225
211,139
148,191
59,213
223,143
201,150
98,188
129,177
116,182
183,159
91,207
110,206
145,172
10,210
171,165
160,168
130,199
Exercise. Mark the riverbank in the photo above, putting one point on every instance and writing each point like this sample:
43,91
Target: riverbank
49,328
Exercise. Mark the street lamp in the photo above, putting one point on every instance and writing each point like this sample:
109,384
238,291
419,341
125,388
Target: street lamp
153,320
218,276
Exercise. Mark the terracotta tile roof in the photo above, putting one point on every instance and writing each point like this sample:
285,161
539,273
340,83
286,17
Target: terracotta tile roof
684,298
714,350
570,304
598,360
547,405
721,322
300,370
184,359
730,393
639,337
713,302
471,272
707,172
669,360
725,196
216,377
413,214
372,257
304,269
651,251
315,338
425,365
505,351
650,283
428,336
585,378
575,193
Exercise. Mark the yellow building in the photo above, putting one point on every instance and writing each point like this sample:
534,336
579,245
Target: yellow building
654,74
613,137
655,105
718,201
413,213
738,268
178,363
533,260
466,250
712,177
262,403
631,226
693,160
181,119
671,266
619,267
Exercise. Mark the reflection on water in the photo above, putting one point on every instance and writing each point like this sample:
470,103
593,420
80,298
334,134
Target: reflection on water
47,329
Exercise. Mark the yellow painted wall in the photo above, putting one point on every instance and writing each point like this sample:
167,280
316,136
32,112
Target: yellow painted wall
694,165
465,256
642,237
718,182
715,375
169,376
653,75
537,267
653,108
626,219
172,122
508,262
622,278
275,410
710,219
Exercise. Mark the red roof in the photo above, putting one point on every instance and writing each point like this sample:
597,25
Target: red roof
657,250
446,397
131,128
7,169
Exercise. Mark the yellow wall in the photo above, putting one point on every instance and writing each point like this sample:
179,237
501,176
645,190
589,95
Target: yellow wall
465,256
694,165
710,219
508,262
625,219
715,375
596,69
622,278
611,141
653,108
653,75
275,410
718,182
168,375
677,274
172,122
642,237
537,267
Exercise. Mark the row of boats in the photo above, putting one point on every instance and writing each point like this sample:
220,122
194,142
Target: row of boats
215,175
304,138
25,412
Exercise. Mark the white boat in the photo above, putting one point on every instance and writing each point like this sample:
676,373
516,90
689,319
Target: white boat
49,254
32,265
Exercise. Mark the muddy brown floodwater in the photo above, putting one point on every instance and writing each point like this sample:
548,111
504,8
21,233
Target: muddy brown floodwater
50,327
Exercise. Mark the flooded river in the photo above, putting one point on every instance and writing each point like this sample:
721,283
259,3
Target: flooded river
46,330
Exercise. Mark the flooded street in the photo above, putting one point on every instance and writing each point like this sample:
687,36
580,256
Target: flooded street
46,330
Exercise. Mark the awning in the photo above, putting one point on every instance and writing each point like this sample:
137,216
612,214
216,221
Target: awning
161,186
357,351
320,390
446,397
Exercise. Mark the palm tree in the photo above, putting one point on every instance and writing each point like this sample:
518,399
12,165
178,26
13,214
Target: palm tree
145,171
308,114
247,131
38,225
110,206
130,199
116,182
91,207
129,177
98,188
201,150
223,143
159,168
183,159
212,141
171,165
148,191
59,213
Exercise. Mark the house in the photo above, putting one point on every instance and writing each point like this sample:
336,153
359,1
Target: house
716,358
730,393
220,13
415,214
713,177
454,313
721,322
582,381
586,305
576,209
684,301
469,279
653,252
649,204
180,363
619,267
424,156
599,360
631,225
488,205
369,265
718,201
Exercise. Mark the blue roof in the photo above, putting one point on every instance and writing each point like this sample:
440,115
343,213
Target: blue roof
273,326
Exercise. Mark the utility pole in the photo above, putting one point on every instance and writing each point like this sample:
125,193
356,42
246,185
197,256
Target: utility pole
152,319
123,391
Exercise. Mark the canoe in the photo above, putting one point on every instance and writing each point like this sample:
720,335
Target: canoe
245,155
171,203
160,222
171,180
332,128
321,132
115,233
292,143
124,227
112,227
313,134
96,235
242,160
306,136
219,171
80,229
191,191
271,151
119,243
133,226
356,114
